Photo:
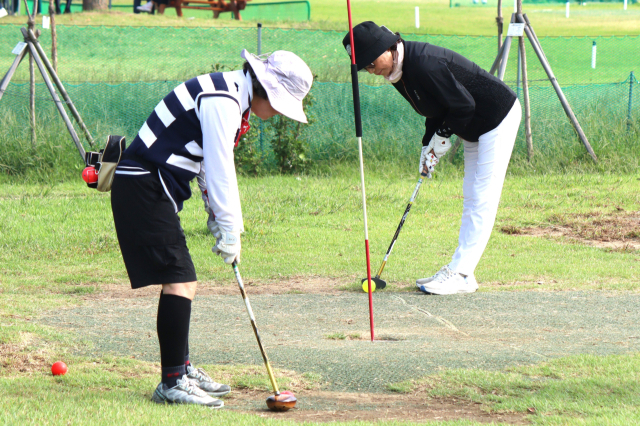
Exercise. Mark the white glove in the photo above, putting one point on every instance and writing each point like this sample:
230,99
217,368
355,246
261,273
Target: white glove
438,146
228,246
427,162
213,226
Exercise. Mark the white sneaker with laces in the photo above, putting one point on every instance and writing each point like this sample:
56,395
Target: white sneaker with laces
185,392
205,382
146,8
447,281
423,281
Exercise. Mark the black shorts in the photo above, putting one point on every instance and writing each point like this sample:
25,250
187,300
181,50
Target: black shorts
151,239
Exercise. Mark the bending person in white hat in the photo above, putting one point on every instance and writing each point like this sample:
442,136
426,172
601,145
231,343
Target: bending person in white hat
194,130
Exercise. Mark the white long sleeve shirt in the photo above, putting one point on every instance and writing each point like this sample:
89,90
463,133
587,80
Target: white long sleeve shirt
220,119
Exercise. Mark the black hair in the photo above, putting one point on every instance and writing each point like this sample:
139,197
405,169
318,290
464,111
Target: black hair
258,90
394,47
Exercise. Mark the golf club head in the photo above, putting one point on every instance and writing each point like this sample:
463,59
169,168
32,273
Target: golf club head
380,283
281,401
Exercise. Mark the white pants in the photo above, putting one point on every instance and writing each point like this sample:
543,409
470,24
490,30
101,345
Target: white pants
485,166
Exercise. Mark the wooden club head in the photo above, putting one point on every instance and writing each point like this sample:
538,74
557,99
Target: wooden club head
284,401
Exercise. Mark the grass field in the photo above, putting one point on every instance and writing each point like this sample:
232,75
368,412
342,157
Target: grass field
308,227
289,221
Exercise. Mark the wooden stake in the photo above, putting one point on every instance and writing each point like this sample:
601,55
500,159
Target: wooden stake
496,62
56,100
526,20
7,77
525,92
32,87
505,53
499,21
503,56
26,7
527,105
554,82
29,35
54,36
36,54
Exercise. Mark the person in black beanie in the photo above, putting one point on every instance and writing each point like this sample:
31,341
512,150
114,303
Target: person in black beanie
457,97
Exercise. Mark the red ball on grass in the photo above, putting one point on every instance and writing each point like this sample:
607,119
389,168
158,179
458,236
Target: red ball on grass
59,368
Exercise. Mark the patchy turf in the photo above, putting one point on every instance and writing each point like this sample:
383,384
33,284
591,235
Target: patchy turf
617,230
64,295
16,358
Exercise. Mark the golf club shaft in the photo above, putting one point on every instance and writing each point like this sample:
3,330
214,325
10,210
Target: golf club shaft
404,217
255,328
358,122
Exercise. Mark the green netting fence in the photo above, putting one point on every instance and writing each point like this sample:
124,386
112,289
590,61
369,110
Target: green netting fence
117,54
116,76
391,127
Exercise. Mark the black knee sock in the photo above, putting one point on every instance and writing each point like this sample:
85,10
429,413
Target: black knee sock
174,314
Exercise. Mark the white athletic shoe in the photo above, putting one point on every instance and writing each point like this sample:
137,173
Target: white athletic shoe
422,281
185,392
447,281
146,8
205,382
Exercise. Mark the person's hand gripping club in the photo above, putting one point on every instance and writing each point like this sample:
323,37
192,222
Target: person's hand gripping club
227,242
431,154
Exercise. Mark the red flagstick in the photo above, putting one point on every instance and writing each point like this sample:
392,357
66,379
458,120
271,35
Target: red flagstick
356,113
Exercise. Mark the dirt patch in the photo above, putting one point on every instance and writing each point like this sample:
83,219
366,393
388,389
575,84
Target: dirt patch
23,358
291,285
340,406
619,230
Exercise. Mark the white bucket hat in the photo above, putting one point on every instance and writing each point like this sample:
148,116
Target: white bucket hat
286,79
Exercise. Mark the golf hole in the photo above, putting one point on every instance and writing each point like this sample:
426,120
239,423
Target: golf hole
389,338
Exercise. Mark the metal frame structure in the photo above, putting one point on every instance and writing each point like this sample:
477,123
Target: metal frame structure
36,54
500,65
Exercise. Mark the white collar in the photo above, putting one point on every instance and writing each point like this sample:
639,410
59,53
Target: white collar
398,58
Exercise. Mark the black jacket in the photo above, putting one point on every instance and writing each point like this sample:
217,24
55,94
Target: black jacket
456,95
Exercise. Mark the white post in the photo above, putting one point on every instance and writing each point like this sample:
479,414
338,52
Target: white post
593,56
567,12
625,4
515,6
417,17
